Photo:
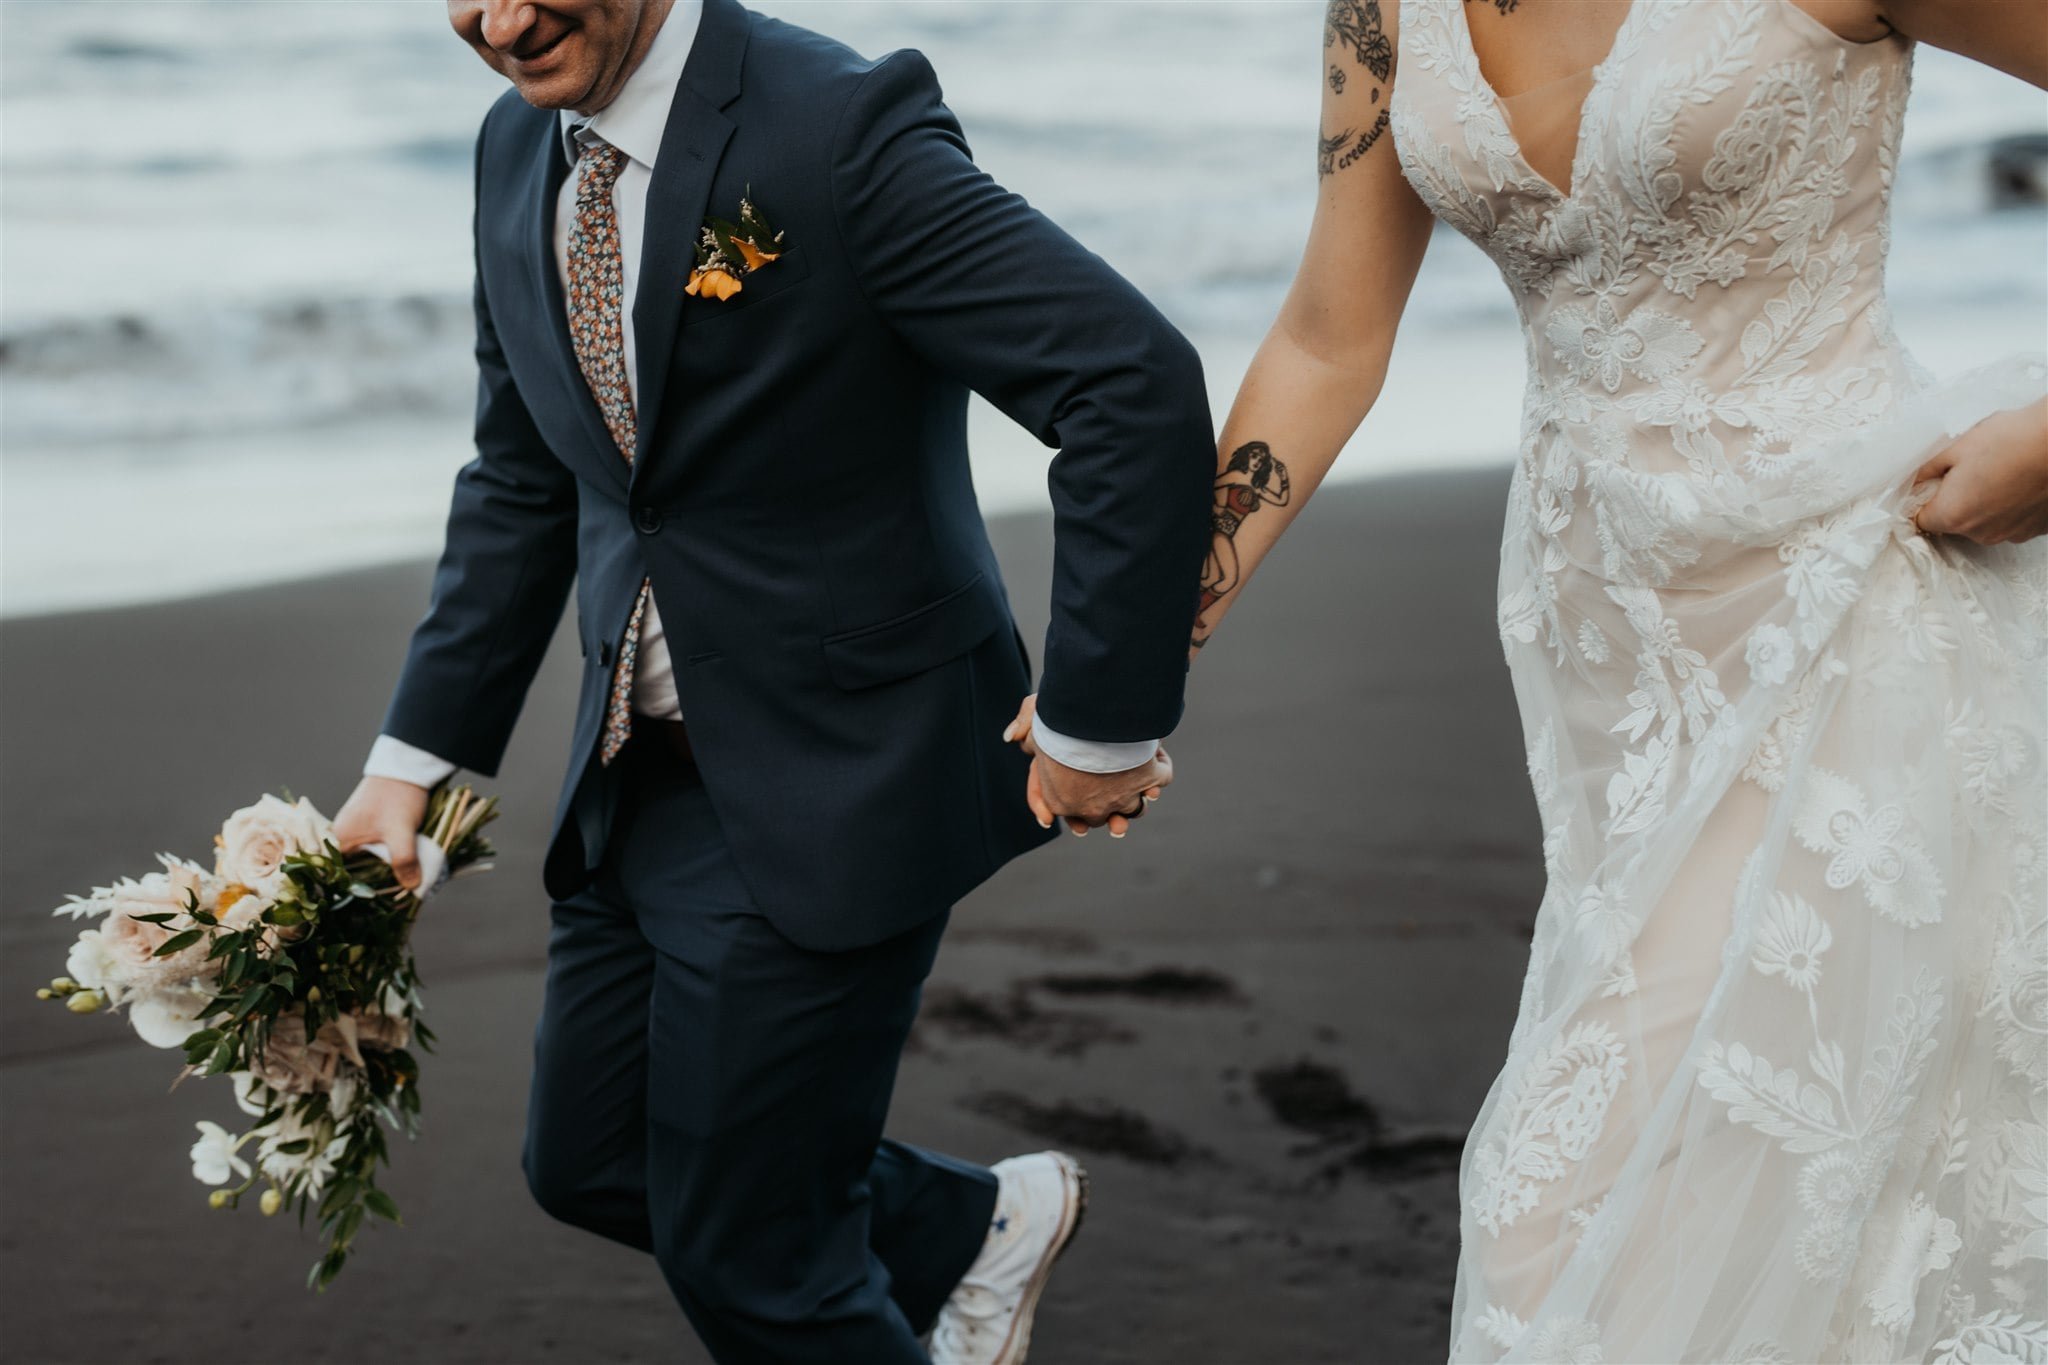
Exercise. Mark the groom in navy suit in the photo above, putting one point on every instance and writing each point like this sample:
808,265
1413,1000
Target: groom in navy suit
734,284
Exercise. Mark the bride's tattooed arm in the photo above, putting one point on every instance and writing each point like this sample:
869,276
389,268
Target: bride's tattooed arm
1354,34
1252,478
1321,366
1356,25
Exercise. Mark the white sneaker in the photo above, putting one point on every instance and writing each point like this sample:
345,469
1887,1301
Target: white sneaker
1039,1202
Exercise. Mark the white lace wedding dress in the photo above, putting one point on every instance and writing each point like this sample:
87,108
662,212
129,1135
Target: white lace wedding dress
1776,1091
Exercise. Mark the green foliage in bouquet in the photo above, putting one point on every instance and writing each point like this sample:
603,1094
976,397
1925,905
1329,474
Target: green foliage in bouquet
295,966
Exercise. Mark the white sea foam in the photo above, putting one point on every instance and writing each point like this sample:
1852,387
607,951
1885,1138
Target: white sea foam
234,256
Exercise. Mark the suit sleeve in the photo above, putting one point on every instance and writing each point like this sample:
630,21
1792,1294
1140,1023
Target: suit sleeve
502,581
989,290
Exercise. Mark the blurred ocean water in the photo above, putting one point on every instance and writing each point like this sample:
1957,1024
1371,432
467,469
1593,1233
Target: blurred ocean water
234,254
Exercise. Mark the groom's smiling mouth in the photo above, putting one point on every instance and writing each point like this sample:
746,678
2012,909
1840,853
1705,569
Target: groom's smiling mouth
534,55
561,54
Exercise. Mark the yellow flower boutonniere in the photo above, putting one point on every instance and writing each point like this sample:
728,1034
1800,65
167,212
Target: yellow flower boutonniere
728,252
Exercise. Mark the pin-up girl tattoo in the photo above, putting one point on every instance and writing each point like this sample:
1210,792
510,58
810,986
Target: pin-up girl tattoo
1251,479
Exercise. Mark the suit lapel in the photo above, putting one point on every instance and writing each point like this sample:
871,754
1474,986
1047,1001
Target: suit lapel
678,200
543,189
700,124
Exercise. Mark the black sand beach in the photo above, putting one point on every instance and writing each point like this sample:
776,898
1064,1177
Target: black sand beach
1264,1020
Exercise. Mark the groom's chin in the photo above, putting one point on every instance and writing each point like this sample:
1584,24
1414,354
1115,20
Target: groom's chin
548,95
556,90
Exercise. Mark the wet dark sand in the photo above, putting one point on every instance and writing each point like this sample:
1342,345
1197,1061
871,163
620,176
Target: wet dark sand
1265,1020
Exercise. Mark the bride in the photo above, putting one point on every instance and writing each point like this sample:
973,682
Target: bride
1776,1088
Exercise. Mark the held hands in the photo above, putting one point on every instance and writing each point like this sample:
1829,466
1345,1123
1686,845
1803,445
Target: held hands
384,810
1990,483
1086,800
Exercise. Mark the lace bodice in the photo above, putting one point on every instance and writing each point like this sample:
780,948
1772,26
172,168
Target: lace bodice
1734,162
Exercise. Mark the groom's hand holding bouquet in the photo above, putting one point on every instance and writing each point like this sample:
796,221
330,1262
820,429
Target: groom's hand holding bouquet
287,967
385,811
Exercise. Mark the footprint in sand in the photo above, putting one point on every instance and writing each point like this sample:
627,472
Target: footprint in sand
1014,1019
1313,1098
1089,1126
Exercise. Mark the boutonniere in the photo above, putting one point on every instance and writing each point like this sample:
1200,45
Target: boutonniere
728,252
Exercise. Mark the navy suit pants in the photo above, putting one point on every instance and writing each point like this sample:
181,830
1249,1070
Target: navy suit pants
711,1093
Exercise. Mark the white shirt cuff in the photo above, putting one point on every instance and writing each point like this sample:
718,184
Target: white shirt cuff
394,758
1090,755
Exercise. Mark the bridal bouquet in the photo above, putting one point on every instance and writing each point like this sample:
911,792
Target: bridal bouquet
288,969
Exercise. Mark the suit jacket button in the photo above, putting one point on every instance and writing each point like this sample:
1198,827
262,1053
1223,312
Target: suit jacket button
648,519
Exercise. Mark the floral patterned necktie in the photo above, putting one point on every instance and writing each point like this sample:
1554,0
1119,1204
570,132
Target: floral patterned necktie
597,334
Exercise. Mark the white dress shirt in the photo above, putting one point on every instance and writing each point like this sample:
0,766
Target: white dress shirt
634,122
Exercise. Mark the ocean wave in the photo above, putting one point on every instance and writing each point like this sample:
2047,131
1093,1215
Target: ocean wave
289,363
237,273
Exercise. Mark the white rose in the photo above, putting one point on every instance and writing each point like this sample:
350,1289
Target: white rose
257,839
240,908
252,1096
214,1155
129,946
89,963
1770,655
188,882
167,1016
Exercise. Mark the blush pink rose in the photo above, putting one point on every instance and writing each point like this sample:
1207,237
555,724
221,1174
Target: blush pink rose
257,839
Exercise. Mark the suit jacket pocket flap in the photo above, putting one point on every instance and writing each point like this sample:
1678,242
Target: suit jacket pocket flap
758,287
915,641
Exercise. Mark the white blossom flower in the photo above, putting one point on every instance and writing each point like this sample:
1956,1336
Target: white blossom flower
1609,927
2019,1002
288,1129
314,1166
319,1168
1770,655
1869,847
214,1156
166,1016
1924,1241
1501,1327
1790,941
1566,1341
1835,1189
1598,343
1689,405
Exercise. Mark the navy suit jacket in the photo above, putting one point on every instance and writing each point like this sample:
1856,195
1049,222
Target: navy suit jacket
800,496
